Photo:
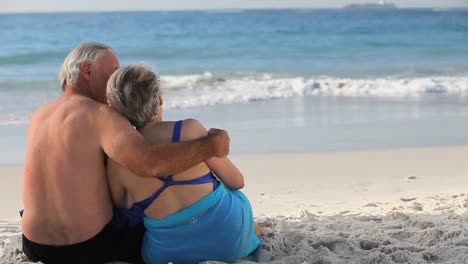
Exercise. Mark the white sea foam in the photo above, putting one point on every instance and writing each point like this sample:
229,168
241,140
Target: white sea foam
207,89
18,100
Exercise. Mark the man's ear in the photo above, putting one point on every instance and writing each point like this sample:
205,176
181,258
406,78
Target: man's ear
85,70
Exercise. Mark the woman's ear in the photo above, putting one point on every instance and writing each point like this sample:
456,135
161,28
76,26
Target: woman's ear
160,99
160,109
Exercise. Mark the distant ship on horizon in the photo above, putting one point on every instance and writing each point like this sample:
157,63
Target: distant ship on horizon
381,5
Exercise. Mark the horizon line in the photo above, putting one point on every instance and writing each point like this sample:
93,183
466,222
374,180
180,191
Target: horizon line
217,9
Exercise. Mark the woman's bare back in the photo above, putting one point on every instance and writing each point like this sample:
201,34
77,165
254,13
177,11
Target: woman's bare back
174,198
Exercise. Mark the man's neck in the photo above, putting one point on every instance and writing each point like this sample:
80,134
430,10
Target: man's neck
83,90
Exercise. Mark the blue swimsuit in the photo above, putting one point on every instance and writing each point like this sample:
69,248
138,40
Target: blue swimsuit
218,227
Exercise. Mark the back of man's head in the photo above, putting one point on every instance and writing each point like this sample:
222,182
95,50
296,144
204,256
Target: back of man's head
87,51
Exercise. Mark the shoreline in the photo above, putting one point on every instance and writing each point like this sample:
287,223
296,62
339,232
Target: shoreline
312,124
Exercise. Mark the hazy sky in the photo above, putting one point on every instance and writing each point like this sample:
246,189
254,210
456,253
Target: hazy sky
108,5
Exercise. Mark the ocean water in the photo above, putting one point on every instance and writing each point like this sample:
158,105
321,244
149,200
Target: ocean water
254,70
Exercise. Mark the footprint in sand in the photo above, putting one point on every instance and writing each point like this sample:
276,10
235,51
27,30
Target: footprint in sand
465,203
442,208
410,179
416,206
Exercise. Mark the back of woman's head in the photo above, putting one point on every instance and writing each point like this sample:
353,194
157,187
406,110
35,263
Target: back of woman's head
133,91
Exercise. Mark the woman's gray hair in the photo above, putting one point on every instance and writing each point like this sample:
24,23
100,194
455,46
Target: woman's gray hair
133,91
87,51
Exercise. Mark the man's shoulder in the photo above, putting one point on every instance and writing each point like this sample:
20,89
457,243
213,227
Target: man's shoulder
44,110
69,107
106,111
70,102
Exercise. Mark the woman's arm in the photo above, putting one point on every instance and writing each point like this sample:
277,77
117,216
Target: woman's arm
226,171
120,197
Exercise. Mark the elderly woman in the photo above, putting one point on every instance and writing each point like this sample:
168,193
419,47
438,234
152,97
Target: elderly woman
195,215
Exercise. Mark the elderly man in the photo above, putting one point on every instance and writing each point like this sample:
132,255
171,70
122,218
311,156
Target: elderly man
67,204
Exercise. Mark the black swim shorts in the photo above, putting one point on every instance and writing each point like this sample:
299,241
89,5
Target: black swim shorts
111,244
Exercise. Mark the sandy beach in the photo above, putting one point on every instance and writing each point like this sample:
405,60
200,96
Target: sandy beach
374,206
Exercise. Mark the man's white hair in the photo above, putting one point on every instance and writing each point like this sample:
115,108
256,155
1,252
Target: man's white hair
87,51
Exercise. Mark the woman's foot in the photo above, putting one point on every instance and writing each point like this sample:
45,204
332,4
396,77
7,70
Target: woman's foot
263,231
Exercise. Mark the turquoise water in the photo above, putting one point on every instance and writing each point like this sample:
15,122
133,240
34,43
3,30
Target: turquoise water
339,43
254,64
219,57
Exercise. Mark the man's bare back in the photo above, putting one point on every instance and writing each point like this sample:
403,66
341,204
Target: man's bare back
64,166
66,196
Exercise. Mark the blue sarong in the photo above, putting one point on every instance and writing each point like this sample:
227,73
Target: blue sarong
218,227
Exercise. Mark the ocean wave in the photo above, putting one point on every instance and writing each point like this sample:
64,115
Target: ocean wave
19,99
28,58
208,89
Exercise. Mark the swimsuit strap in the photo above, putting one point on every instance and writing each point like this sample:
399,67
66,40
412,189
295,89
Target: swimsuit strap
207,178
169,181
177,130
146,202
